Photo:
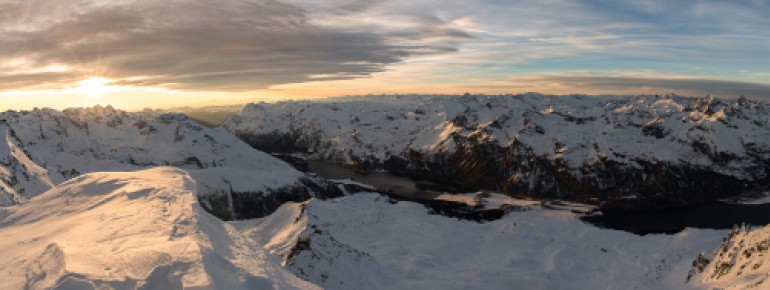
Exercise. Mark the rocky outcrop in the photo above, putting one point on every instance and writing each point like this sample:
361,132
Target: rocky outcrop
622,152
239,205
740,262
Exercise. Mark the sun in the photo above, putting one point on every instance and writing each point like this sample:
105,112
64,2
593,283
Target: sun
94,87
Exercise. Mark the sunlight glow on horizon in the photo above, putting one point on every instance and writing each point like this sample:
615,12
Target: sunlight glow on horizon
95,87
101,91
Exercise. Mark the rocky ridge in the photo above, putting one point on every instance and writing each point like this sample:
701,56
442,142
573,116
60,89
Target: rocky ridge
614,151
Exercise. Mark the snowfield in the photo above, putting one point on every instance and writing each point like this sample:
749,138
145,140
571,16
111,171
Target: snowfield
138,230
364,241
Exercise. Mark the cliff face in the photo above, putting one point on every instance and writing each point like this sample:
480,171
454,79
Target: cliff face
645,151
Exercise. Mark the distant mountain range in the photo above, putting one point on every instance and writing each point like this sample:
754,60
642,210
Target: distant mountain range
614,151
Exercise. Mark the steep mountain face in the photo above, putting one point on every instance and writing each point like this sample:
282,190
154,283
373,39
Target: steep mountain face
366,241
645,151
20,177
740,262
137,230
43,148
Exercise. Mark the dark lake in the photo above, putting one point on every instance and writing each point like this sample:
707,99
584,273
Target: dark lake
673,220
383,181
405,189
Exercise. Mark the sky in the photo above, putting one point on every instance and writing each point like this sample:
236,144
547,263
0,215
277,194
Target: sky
133,54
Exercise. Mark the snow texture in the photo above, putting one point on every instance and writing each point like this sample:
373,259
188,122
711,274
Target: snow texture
364,241
138,230
740,262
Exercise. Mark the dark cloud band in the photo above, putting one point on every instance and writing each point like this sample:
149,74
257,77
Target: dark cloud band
192,44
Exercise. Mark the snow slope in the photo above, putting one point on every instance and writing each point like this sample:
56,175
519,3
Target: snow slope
365,241
138,230
740,262
19,176
145,229
42,148
665,149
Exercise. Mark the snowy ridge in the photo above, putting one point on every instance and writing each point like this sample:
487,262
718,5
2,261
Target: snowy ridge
575,147
365,241
42,148
740,262
138,230
18,174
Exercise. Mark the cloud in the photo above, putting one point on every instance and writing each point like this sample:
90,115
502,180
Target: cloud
226,45
720,37
246,45
607,84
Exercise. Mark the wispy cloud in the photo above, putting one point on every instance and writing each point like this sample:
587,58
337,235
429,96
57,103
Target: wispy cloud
195,45
401,46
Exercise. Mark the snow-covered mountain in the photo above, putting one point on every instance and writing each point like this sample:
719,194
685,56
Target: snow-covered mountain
643,151
137,230
42,148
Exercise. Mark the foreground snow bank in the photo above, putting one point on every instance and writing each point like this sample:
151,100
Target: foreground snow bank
365,241
129,230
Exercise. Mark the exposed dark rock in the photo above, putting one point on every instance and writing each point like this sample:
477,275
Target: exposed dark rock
249,205
514,170
655,129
